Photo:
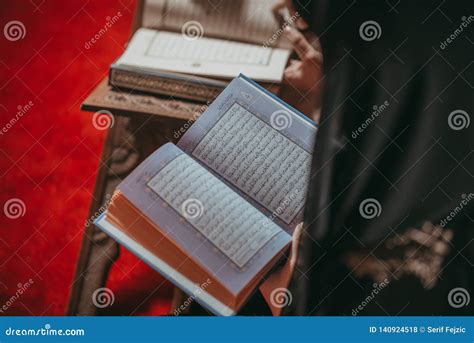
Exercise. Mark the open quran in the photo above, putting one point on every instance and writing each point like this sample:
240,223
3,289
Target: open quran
216,212
191,49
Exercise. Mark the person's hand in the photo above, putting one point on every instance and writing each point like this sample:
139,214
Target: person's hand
277,283
306,73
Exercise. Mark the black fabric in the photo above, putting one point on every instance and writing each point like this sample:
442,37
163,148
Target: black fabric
413,158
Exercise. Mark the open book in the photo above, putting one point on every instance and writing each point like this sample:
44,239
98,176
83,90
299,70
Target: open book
191,49
217,211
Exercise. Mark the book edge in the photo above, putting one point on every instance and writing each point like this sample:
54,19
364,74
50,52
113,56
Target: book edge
178,279
200,80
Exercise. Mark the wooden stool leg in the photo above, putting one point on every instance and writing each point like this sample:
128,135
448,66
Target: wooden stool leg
98,251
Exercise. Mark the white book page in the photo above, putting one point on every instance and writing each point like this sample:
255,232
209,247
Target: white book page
168,51
231,224
258,160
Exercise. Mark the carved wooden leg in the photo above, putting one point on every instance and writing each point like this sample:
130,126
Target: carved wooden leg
128,142
98,251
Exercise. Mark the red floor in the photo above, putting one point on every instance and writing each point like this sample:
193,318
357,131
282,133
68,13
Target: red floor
49,155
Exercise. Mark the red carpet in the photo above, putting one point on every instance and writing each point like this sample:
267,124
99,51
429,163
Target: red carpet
50,151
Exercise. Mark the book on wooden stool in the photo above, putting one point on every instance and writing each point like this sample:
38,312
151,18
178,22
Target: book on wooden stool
215,212
192,49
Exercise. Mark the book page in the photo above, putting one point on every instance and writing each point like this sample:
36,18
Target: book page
259,145
243,20
235,227
205,218
168,45
259,160
173,52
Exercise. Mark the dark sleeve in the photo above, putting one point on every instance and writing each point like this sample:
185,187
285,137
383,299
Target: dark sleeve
394,137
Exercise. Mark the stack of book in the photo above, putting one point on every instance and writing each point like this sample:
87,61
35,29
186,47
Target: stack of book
191,49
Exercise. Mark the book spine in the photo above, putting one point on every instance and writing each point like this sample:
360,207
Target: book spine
163,85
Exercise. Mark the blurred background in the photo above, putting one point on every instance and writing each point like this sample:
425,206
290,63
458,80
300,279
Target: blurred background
50,151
